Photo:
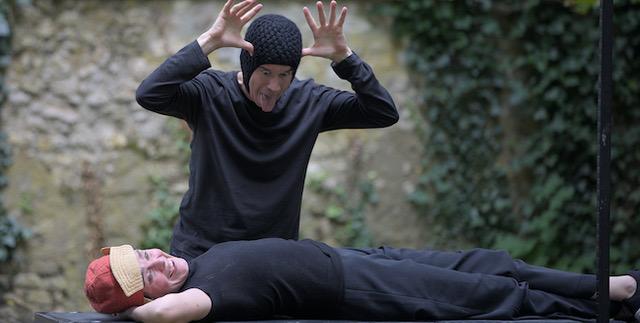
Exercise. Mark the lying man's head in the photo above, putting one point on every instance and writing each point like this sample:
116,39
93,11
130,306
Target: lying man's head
123,277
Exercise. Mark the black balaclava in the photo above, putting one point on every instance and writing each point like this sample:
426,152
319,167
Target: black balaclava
276,40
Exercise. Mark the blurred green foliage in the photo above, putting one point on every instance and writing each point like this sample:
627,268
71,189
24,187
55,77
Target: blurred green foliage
11,232
509,96
160,220
158,227
346,206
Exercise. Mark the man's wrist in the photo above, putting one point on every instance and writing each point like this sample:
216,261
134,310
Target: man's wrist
207,44
339,58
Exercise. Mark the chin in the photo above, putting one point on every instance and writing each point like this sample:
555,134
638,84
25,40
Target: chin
184,270
269,109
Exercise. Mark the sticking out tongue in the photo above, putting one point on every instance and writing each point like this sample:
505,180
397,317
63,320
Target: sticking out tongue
265,102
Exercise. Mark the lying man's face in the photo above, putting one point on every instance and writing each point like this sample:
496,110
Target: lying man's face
161,273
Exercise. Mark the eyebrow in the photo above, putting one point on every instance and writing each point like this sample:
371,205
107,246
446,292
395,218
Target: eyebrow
268,70
149,277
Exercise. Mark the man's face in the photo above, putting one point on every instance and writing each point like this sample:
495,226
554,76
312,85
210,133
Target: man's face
267,83
161,273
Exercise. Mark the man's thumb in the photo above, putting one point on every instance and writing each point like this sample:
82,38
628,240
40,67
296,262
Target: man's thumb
248,47
306,51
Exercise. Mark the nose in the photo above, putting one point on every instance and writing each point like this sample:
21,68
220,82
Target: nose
157,264
274,85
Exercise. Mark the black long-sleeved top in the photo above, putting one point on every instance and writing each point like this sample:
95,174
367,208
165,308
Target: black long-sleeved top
247,167
263,279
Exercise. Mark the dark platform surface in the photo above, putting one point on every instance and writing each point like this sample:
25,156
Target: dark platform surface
67,317
55,317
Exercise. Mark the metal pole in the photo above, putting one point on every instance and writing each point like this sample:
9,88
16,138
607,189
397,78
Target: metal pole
604,156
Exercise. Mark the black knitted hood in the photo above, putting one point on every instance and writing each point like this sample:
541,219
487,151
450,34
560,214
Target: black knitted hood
276,40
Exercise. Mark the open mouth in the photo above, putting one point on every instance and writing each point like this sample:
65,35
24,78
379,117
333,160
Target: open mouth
265,100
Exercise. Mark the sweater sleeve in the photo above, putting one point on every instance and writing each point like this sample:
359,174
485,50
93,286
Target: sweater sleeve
173,88
371,106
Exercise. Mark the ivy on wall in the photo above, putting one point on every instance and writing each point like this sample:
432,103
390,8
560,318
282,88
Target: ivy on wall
11,232
509,95
158,227
346,206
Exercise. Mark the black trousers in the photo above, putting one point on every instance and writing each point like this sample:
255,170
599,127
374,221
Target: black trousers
406,284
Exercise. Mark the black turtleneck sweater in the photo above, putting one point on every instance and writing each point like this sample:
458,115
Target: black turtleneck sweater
247,167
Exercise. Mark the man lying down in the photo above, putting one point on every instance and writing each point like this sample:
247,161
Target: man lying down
276,278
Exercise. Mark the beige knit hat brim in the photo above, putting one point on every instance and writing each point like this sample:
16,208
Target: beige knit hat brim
125,268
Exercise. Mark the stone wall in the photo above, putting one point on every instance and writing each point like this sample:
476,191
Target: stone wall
84,150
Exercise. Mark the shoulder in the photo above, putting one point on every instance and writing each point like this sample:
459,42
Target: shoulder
305,85
251,251
309,88
220,81
228,77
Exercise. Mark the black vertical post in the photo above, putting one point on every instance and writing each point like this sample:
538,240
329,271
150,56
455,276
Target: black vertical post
604,155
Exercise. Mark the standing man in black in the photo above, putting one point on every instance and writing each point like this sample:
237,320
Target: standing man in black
254,130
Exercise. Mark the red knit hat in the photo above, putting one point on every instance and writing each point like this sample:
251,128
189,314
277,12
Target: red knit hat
113,283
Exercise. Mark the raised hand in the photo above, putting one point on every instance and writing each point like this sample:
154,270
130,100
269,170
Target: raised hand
328,36
225,31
